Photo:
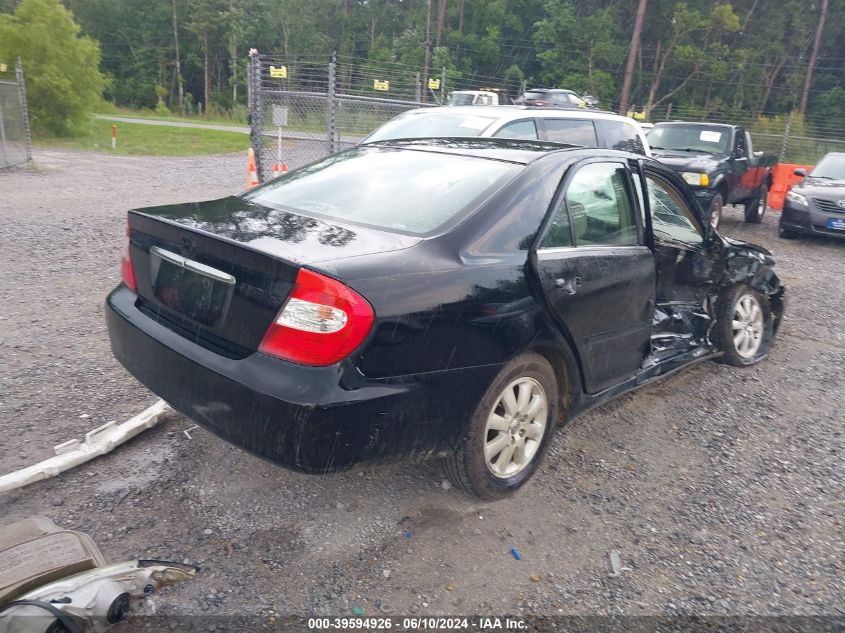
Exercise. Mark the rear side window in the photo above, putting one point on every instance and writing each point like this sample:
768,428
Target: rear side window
406,191
571,131
600,209
621,136
519,129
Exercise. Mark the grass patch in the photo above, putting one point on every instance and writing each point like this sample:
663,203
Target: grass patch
191,118
150,140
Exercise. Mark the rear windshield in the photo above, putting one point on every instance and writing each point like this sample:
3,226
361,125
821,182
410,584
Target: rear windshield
831,166
398,190
434,124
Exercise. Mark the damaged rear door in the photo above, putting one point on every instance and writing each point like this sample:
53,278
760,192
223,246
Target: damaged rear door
684,269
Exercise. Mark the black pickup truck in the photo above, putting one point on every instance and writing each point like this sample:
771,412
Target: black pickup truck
719,163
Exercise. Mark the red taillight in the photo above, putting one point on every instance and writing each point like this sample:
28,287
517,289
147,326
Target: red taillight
539,102
321,323
126,270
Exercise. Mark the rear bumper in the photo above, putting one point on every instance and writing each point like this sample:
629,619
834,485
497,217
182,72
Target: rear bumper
809,220
311,419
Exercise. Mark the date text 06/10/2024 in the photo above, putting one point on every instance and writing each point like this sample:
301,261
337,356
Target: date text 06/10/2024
480,624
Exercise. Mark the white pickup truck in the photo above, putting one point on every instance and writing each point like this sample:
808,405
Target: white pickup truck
472,97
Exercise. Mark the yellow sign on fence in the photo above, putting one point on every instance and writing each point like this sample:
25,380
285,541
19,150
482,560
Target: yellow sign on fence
381,85
434,84
280,72
3,68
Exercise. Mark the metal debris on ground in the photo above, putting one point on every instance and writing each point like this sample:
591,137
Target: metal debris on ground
615,564
73,452
187,431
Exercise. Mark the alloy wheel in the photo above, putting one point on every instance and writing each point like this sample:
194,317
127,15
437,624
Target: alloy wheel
747,326
515,427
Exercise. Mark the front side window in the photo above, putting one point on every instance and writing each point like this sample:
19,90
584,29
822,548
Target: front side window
526,130
739,145
600,207
671,218
571,131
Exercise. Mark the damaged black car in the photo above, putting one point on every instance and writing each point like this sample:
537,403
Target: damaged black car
438,298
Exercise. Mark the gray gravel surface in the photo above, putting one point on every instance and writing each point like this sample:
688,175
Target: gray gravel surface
720,488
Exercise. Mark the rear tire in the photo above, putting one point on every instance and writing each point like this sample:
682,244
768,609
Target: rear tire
717,205
755,207
787,234
744,326
509,431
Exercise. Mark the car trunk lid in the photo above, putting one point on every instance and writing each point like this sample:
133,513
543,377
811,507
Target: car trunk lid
218,272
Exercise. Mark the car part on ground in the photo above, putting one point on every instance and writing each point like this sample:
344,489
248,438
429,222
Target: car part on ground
57,580
717,161
817,203
521,248
97,442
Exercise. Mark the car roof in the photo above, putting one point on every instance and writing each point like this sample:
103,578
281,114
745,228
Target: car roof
518,151
505,113
707,123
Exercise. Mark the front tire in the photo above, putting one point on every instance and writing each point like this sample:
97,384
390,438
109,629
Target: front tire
755,207
744,326
717,205
509,431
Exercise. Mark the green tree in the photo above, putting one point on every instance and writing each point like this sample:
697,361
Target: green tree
64,83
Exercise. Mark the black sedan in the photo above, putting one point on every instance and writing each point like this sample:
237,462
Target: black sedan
451,298
817,203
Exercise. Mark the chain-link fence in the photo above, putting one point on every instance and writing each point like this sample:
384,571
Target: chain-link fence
306,108
14,121
302,111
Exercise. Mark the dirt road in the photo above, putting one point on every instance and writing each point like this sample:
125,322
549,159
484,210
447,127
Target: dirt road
722,489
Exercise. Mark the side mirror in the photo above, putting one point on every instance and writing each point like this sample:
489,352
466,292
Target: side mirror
800,171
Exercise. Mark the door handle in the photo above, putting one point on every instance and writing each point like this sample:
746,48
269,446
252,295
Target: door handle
568,285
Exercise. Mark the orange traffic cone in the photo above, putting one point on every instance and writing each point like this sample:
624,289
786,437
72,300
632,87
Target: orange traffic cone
251,171
276,171
284,168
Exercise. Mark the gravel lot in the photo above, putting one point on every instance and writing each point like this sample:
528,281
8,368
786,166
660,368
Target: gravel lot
722,489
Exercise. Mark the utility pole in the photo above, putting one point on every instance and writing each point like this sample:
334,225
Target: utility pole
809,75
427,62
633,49
179,83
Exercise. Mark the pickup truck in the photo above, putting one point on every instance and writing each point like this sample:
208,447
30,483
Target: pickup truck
719,163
